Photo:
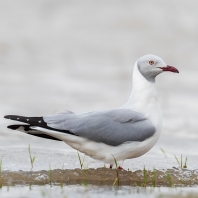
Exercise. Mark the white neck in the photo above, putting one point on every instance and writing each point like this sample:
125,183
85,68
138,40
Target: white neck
144,100
144,94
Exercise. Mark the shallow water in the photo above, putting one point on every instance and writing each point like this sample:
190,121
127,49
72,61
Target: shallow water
58,155
95,192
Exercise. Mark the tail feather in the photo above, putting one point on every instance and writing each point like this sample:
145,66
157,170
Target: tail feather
30,122
27,129
36,121
33,121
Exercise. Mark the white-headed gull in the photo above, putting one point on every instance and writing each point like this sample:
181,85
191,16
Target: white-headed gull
123,133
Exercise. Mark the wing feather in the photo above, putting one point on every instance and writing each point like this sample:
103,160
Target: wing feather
112,127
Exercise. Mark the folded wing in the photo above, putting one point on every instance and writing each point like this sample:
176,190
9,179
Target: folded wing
112,127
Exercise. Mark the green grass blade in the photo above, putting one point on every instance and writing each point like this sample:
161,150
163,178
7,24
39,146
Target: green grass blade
115,162
169,180
181,161
83,160
145,177
177,161
32,159
163,151
50,175
185,164
153,177
80,161
116,170
115,181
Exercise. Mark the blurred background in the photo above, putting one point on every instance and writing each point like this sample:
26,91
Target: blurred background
79,55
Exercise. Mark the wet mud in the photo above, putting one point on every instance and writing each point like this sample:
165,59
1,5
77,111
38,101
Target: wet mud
102,176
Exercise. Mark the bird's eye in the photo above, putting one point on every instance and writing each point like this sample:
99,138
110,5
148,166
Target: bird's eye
151,62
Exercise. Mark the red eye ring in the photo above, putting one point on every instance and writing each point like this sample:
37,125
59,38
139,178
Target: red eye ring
151,62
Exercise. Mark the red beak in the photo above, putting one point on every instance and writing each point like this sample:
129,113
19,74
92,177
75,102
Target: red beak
169,68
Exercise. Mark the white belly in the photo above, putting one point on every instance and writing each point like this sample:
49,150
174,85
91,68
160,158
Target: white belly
103,152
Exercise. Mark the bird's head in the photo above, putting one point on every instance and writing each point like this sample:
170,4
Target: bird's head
150,66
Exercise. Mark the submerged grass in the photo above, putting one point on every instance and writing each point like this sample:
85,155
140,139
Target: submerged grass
84,182
8,187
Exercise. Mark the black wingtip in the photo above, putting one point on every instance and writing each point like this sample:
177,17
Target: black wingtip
11,117
13,127
7,117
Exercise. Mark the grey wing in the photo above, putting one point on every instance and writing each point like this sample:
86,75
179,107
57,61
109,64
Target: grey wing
112,127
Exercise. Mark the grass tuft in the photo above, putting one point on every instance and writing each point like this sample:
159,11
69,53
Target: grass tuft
144,184
185,164
153,177
32,159
169,180
177,160
163,151
117,178
50,175
180,162
80,161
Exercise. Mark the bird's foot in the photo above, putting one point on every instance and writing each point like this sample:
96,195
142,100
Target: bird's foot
119,167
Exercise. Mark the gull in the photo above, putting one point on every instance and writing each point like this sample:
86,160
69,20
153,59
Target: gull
123,133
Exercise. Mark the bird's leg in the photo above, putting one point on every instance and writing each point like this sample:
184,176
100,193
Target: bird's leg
120,164
111,166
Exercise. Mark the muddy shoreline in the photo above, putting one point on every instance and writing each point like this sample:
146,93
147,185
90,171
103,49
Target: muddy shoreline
102,176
